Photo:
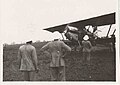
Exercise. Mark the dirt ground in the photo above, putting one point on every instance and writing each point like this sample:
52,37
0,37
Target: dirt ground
102,65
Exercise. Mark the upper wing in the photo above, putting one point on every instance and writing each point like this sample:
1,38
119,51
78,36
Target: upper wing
96,21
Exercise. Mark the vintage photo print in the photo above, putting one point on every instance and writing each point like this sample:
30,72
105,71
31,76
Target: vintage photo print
59,42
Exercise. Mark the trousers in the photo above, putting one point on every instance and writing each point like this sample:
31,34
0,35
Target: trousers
86,57
57,73
29,75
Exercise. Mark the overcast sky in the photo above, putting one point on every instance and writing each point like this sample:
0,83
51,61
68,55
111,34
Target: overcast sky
23,20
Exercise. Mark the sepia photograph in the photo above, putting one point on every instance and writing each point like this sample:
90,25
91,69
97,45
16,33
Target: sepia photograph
59,41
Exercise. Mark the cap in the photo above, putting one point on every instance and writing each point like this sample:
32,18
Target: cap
29,41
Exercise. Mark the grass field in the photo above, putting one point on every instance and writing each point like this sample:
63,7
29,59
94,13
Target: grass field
102,66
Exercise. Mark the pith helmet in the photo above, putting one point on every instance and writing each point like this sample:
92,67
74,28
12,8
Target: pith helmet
86,37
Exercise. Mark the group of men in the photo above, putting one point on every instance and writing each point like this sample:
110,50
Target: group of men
57,49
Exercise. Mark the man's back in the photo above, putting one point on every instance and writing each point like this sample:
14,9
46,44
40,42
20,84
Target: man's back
56,46
26,54
56,50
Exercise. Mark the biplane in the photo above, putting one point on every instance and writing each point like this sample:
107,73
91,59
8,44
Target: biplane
79,30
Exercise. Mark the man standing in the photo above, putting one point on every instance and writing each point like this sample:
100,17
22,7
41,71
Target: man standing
57,49
28,60
86,49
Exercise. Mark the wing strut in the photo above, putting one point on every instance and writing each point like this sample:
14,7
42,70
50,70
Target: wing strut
109,30
62,36
114,32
